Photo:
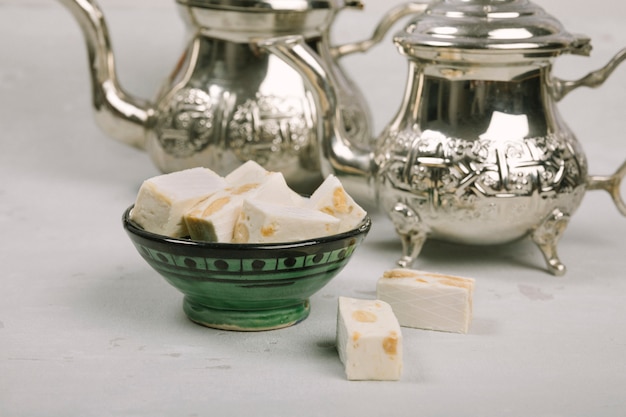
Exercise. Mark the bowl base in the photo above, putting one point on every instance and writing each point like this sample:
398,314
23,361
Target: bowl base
246,320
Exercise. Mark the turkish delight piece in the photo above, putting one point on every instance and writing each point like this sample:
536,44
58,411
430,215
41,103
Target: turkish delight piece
427,300
267,222
331,198
163,200
369,340
213,219
248,172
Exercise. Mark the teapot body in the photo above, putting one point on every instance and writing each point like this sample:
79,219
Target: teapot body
228,98
478,154
228,101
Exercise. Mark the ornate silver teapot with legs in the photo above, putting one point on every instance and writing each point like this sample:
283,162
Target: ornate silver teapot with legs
478,152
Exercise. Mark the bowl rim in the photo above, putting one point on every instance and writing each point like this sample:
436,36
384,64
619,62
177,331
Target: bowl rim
135,229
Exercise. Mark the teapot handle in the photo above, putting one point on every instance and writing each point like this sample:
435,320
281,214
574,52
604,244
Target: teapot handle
560,88
387,21
611,184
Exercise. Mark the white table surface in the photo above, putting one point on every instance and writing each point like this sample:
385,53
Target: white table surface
88,329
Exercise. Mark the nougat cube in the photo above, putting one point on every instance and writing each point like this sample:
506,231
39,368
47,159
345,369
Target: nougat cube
163,200
248,172
213,219
369,340
267,222
331,198
426,300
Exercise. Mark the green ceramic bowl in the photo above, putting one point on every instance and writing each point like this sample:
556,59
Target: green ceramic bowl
246,286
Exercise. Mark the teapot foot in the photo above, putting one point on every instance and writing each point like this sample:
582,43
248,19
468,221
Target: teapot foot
412,231
546,237
412,244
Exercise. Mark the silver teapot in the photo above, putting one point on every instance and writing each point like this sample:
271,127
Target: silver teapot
478,152
228,100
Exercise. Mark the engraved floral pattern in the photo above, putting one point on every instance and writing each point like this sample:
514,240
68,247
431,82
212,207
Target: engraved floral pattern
269,126
458,176
185,125
263,129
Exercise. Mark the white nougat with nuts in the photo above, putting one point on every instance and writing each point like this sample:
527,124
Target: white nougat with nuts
266,222
163,200
276,187
204,206
249,171
369,340
213,219
427,300
331,198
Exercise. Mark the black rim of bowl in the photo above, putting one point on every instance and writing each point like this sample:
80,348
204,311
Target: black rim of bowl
134,228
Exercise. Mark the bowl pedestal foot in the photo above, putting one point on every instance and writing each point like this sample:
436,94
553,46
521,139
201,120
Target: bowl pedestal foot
246,320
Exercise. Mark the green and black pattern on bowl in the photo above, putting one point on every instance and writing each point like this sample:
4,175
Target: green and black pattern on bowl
246,286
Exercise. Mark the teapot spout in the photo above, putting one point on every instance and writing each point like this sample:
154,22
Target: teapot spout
351,163
117,113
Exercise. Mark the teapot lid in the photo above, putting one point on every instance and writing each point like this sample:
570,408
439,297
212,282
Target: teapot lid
261,5
241,20
494,26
